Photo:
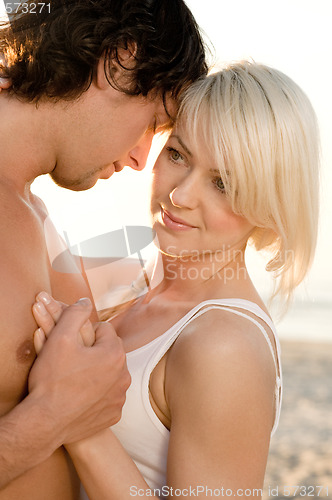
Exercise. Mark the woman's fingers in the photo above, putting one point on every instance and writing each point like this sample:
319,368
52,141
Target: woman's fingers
87,333
54,307
43,318
39,339
47,312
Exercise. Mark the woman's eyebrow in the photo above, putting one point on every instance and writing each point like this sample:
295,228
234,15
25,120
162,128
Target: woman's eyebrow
182,144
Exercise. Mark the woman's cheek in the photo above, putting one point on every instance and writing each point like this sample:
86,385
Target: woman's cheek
226,220
161,178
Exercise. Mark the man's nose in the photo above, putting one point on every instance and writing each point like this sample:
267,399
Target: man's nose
139,154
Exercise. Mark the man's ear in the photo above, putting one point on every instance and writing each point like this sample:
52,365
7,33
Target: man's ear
118,66
5,83
127,55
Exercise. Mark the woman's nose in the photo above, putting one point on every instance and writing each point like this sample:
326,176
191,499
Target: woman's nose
185,195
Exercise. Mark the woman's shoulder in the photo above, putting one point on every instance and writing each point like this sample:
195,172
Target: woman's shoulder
225,328
222,342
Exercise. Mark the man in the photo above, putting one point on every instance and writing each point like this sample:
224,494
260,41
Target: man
90,83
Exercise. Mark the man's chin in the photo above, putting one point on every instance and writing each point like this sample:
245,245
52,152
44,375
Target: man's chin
107,172
74,184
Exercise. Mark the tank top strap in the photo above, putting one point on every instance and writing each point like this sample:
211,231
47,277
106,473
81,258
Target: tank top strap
230,305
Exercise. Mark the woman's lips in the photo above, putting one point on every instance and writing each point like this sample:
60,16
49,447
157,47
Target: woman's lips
173,222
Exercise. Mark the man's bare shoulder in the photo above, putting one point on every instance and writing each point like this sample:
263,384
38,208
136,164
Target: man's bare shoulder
20,216
23,273
22,238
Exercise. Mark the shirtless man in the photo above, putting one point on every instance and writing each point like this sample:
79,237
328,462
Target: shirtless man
91,82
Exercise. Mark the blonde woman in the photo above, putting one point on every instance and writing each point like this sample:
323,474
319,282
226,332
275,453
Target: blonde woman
240,167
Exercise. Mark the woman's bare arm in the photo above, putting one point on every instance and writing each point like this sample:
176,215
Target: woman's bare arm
222,411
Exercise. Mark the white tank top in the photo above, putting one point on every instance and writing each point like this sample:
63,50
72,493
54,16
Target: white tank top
140,431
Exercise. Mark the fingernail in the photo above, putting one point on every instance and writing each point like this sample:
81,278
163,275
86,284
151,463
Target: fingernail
40,333
85,302
44,297
40,308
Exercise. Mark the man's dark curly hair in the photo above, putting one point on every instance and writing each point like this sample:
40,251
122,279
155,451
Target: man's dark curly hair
54,53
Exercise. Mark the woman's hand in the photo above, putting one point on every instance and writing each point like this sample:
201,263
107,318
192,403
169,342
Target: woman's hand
47,312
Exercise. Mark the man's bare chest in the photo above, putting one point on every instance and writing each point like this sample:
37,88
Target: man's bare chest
26,269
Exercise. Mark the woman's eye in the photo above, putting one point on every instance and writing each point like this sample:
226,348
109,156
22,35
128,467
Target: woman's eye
219,184
174,155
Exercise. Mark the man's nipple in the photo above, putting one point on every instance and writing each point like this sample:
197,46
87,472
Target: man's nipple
26,352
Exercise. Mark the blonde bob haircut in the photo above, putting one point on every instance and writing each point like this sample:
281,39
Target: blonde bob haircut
261,131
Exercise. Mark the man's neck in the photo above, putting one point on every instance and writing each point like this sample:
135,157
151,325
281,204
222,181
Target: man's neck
27,141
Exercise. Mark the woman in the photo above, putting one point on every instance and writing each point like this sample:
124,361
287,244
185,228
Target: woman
241,166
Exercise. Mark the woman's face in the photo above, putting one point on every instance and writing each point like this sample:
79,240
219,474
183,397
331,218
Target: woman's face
190,211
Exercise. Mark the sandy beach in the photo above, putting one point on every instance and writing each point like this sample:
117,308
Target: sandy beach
301,449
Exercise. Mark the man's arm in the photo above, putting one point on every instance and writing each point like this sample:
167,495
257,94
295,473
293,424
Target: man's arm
27,439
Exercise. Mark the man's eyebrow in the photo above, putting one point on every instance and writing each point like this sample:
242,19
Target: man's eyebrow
167,127
182,144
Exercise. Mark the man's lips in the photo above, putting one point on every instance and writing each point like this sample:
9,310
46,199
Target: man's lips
118,167
109,171
174,222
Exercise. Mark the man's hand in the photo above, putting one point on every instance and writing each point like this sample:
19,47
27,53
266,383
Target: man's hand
81,389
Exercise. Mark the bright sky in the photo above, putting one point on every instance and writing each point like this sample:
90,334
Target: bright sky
291,35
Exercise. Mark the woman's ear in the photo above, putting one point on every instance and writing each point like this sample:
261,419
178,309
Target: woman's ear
116,68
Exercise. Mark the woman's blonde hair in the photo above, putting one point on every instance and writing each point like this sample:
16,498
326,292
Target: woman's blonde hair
260,129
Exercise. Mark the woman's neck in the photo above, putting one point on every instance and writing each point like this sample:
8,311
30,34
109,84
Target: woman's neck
198,278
